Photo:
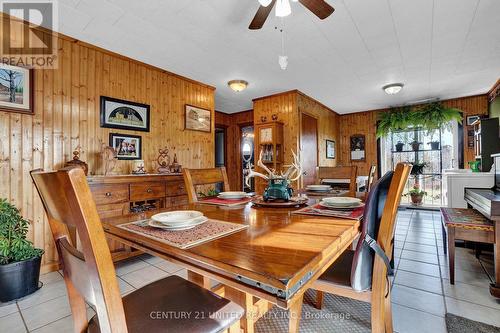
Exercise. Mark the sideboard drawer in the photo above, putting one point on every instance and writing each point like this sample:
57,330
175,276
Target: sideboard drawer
176,188
177,202
109,194
147,191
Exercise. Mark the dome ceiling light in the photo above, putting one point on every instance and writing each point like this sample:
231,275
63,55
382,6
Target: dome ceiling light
393,88
238,85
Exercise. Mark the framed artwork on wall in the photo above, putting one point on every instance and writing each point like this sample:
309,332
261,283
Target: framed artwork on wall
127,147
198,119
358,147
330,149
120,114
16,89
472,119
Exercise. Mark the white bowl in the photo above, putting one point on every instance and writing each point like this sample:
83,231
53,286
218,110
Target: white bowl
176,217
342,201
232,195
192,224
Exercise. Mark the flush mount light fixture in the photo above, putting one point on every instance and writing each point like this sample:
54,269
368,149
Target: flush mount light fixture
238,85
393,88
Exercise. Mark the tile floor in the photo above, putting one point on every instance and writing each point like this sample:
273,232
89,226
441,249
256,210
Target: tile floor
421,293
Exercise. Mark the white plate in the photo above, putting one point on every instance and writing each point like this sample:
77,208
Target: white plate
155,224
176,217
327,205
233,195
342,201
319,188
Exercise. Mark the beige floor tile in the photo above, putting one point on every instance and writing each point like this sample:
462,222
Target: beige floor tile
420,248
12,323
168,266
471,293
473,311
476,278
130,265
46,293
151,259
407,320
7,308
429,258
62,325
419,281
51,277
419,267
46,313
144,276
182,273
125,287
419,300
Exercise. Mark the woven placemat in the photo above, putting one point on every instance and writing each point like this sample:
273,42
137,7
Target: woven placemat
185,239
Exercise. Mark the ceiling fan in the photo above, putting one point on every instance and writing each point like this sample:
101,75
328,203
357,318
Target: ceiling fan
318,7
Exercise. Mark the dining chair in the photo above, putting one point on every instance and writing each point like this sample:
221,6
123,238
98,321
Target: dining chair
167,305
339,172
363,273
371,177
198,177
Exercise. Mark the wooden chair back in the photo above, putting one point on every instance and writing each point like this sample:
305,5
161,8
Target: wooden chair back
340,172
90,275
197,177
380,283
371,177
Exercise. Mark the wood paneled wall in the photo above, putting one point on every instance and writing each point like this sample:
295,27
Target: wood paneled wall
233,123
67,115
366,122
288,106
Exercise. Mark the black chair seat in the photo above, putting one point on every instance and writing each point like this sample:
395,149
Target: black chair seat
340,271
175,305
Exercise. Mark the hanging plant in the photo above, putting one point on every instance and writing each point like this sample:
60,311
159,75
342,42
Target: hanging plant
396,119
434,116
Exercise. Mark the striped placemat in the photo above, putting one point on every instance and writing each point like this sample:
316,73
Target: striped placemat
184,239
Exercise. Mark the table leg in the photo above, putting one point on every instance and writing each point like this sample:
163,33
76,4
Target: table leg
495,287
443,231
199,279
451,253
244,300
295,313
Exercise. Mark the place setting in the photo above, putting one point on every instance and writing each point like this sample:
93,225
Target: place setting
322,190
182,228
228,199
343,207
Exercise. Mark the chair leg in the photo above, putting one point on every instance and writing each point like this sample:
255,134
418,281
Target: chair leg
319,299
235,328
388,312
451,253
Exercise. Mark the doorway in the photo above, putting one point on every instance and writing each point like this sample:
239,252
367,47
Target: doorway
309,148
220,147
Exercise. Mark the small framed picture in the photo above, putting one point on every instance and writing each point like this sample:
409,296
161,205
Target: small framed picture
120,114
472,119
198,119
127,147
330,149
16,89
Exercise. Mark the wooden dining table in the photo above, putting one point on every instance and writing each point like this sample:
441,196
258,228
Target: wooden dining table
272,262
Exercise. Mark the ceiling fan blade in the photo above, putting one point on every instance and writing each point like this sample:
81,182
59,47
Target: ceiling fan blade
261,16
319,8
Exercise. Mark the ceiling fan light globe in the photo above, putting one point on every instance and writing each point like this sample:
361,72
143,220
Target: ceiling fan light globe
265,3
283,61
283,8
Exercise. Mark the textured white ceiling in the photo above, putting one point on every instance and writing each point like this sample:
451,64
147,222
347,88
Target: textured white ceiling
437,48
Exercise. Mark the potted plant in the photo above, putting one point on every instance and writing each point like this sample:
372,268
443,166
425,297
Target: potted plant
19,259
415,145
416,194
396,119
399,146
418,168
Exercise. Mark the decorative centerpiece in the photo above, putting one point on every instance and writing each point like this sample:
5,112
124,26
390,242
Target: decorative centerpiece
163,161
175,167
138,168
278,188
77,162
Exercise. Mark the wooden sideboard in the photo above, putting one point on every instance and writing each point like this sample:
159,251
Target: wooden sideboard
121,195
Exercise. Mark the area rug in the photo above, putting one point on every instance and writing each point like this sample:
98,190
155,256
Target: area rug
339,314
457,324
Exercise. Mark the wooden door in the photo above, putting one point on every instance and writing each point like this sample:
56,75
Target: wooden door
309,147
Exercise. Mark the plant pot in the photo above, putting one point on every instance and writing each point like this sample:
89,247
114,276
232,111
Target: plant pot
19,279
399,146
416,199
434,145
415,145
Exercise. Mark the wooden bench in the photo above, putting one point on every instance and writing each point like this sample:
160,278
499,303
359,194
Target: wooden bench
468,225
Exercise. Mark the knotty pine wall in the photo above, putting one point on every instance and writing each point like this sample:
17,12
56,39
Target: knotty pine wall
233,123
66,102
366,122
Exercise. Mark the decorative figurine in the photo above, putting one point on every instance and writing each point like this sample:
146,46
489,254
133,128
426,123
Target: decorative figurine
263,119
175,167
163,161
108,156
138,168
77,162
274,117
278,184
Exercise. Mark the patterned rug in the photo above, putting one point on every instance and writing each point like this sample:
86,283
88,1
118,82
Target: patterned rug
339,314
457,324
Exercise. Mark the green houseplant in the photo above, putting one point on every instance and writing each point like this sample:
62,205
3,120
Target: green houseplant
19,259
395,119
416,194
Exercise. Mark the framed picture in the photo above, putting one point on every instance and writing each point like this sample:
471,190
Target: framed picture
117,113
330,149
127,147
16,89
472,119
198,119
357,147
